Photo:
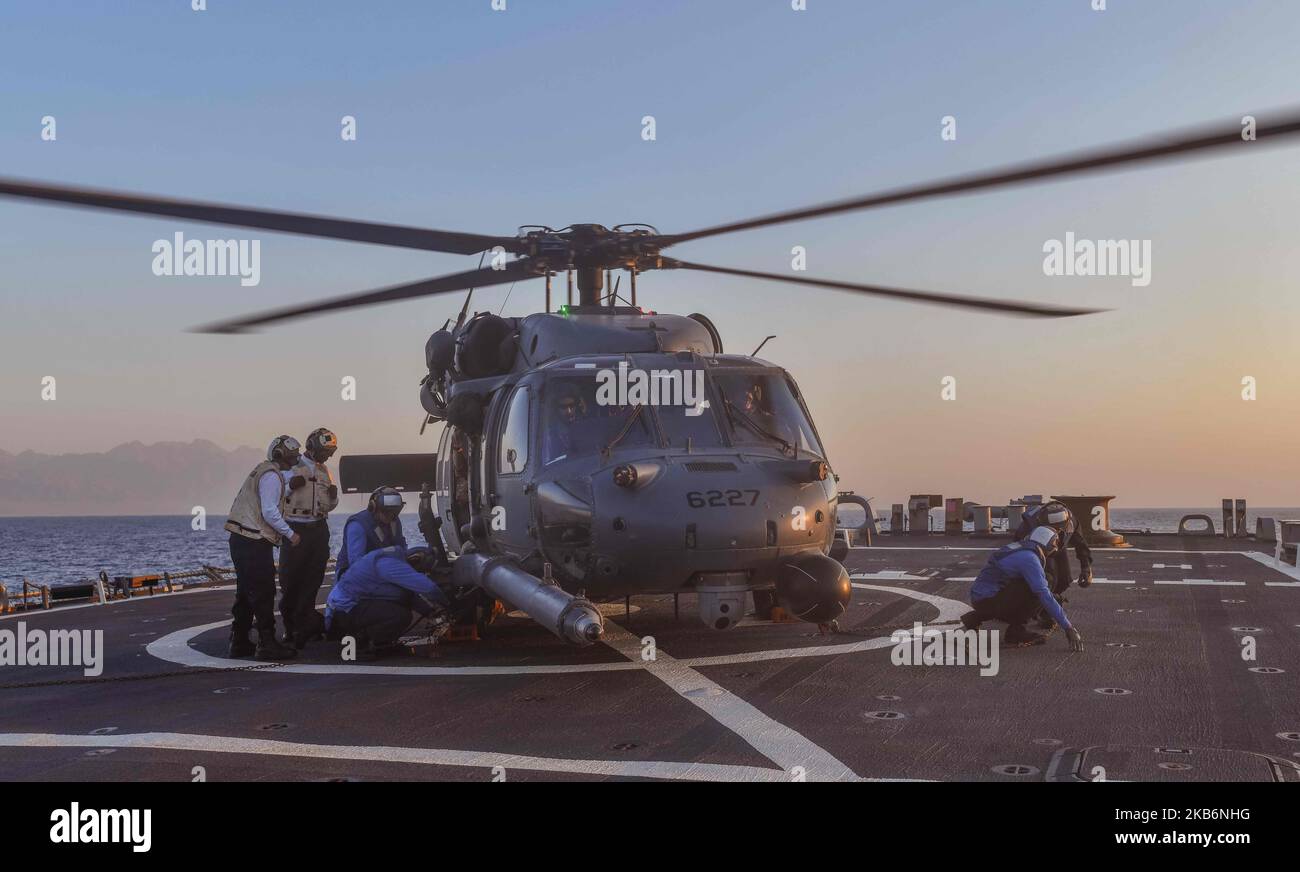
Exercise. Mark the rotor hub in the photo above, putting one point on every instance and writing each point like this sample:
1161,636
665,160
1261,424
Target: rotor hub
589,250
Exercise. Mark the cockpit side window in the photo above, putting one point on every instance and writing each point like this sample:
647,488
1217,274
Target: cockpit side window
512,454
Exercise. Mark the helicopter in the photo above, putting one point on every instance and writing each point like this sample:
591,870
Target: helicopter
598,449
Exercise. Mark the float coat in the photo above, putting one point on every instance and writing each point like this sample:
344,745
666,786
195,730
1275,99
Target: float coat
312,501
363,533
246,517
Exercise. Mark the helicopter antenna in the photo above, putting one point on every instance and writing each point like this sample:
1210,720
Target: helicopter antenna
460,319
761,344
511,291
613,296
465,308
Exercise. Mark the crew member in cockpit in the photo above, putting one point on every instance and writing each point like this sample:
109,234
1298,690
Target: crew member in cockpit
568,434
756,408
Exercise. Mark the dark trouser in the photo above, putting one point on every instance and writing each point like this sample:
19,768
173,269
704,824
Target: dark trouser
302,569
377,621
254,562
1059,576
1015,604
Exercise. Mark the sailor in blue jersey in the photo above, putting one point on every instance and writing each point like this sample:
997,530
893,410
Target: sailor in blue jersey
374,527
1012,586
1057,516
382,597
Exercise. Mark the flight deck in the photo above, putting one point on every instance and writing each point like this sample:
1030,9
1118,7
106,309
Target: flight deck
1165,689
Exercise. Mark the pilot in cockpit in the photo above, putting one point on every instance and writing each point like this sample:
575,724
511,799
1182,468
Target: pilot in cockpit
567,433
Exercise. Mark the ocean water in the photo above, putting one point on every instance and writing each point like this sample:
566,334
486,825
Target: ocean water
68,550
74,549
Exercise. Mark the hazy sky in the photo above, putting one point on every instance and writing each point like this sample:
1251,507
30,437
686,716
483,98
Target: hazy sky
479,120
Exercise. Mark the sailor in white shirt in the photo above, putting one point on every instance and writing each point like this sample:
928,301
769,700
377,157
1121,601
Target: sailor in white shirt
256,526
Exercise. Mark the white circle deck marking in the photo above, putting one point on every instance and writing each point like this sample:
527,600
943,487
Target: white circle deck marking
175,648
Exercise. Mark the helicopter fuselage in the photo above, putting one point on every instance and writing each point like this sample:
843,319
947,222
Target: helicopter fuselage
661,466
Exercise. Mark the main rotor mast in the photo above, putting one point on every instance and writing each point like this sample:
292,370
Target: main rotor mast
589,251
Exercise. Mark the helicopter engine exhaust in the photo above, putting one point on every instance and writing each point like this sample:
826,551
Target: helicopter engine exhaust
573,619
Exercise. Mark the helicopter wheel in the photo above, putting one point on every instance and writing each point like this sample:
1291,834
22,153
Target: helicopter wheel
484,616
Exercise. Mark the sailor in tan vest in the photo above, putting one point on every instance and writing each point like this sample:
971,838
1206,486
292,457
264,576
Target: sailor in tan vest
309,497
256,527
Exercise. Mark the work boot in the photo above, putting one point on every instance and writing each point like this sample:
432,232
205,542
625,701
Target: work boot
971,620
1016,635
269,649
307,630
240,646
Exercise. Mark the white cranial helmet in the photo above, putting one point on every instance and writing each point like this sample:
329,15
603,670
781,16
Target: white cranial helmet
1045,538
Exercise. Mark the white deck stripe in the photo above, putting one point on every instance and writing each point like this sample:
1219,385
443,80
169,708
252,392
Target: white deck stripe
1113,581
1203,581
889,575
949,610
389,754
993,545
175,648
775,741
1268,560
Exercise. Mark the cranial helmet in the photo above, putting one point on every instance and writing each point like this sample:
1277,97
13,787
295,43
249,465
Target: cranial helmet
321,444
1047,538
284,450
386,499
1059,518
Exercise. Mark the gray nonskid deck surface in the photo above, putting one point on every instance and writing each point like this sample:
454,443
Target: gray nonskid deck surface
763,701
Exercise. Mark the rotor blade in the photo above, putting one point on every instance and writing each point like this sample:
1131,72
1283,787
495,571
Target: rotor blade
262,219
1192,142
514,271
1009,307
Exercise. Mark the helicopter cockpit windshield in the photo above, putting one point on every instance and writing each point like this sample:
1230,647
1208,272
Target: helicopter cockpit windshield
761,409
576,425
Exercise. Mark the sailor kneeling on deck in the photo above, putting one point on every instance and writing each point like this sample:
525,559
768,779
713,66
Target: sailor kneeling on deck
256,527
1012,586
381,598
309,497
1058,517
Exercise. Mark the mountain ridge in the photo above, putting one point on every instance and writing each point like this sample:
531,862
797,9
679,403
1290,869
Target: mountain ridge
133,478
